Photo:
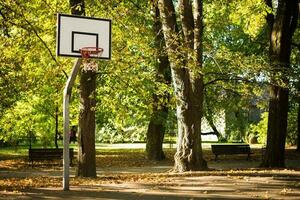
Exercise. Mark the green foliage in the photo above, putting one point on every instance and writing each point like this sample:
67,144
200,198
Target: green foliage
292,130
126,83
27,117
32,78
250,14
235,62
259,130
127,135
236,124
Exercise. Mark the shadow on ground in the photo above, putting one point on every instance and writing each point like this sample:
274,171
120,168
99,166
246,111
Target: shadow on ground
129,176
193,187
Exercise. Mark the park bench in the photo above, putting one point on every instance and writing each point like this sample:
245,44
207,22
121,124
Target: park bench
47,154
230,149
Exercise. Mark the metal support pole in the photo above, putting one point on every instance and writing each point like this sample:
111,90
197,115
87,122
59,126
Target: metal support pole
66,119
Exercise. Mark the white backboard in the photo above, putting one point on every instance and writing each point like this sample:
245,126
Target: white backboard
75,32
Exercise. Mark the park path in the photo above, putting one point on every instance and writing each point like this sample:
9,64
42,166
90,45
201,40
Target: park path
253,183
232,178
191,187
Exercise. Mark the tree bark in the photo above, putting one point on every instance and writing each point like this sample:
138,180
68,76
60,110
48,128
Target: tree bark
155,136
56,127
282,28
86,137
298,126
156,128
86,134
187,85
197,83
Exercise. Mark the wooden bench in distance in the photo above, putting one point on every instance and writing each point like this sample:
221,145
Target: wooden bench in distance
47,154
230,149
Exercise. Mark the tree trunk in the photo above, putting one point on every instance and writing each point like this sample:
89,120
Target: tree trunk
197,83
86,135
298,126
187,85
56,127
87,124
156,128
282,28
298,116
155,136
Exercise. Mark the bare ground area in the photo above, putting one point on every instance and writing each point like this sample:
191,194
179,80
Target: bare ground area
128,175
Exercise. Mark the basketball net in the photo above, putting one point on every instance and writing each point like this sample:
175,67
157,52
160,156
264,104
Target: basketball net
90,52
90,65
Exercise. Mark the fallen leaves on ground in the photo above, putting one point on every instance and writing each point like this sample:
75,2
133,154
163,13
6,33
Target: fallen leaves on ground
125,159
157,179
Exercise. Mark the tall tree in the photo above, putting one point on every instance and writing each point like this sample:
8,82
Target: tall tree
282,25
298,118
157,124
185,56
86,134
298,104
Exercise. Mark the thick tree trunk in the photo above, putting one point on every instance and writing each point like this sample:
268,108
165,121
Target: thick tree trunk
155,137
156,128
86,137
282,27
193,29
87,124
298,126
56,127
277,128
298,116
187,85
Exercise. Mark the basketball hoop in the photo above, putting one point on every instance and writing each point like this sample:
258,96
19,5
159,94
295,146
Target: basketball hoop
79,36
91,52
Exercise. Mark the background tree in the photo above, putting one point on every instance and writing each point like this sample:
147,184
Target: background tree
157,125
282,26
187,79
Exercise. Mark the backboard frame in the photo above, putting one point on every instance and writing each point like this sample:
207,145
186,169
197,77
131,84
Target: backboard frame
76,32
